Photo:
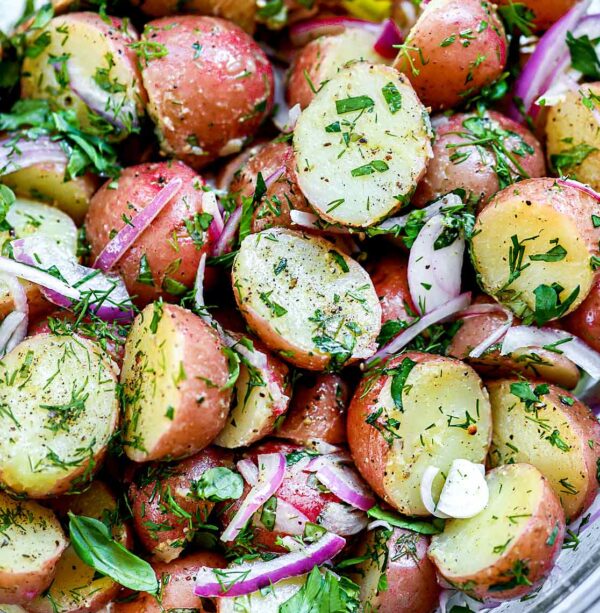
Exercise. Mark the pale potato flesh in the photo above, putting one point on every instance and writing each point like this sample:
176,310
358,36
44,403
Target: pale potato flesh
31,538
267,600
526,434
152,370
303,292
466,546
441,401
543,225
59,409
396,139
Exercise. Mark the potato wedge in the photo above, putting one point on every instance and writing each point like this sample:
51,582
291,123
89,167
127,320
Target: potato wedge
46,182
506,550
76,588
262,396
60,410
305,299
410,579
557,434
101,85
362,145
174,380
31,544
532,248
415,411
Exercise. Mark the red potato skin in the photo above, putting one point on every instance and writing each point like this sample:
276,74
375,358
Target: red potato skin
476,174
390,278
136,188
267,160
546,12
153,482
206,102
493,365
411,577
305,66
177,586
317,411
449,73
584,322
38,305
530,547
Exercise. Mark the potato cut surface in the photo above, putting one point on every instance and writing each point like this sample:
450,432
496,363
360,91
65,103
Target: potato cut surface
305,299
446,415
60,408
467,546
362,145
265,601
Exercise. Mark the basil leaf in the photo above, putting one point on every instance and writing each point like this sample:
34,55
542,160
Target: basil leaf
93,543
410,523
400,375
583,55
218,484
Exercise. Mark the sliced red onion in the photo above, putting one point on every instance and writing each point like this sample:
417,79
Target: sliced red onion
548,56
379,523
582,187
497,334
11,331
210,205
434,275
282,110
117,109
247,468
437,207
106,295
302,32
292,120
274,176
270,475
439,315
126,236
572,348
250,577
18,154
389,39
199,290
345,483
225,243
314,222
342,519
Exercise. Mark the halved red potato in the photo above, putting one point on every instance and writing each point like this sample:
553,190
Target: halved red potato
558,435
306,300
209,87
176,581
317,410
163,260
166,513
572,138
282,196
455,48
506,550
546,12
532,248
362,145
261,399
399,556
414,411
46,182
321,59
101,85
532,362
585,320
76,588
32,542
182,406
510,154
61,394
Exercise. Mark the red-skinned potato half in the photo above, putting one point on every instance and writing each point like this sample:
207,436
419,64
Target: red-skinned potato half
545,12
455,48
177,586
505,551
399,556
162,496
585,320
209,88
411,412
317,410
283,194
511,154
164,258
